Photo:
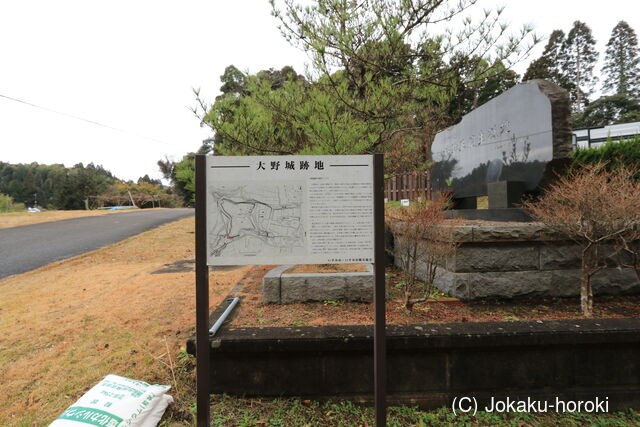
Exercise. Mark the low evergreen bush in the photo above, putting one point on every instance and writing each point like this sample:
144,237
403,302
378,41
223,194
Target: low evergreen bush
613,153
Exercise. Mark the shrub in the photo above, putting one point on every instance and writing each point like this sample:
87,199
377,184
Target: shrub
623,153
592,205
6,203
424,240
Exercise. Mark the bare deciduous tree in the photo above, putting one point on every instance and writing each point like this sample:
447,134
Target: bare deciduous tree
628,248
424,241
592,205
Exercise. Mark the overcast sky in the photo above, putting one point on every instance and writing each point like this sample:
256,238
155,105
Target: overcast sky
131,65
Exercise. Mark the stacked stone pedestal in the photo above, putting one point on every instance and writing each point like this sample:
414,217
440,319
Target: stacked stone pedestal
522,260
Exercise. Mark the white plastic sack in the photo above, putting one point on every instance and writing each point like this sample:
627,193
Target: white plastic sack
117,402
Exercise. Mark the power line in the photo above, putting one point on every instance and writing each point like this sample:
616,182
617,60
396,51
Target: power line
84,120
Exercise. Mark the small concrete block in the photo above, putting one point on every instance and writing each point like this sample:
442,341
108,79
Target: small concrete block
271,285
359,286
505,194
311,287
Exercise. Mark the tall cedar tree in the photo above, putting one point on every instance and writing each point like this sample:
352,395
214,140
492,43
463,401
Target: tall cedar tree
622,64
548,65
577,58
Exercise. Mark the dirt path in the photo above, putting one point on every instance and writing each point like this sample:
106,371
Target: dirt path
66,325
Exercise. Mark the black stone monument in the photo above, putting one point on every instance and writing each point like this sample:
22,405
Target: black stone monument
510,147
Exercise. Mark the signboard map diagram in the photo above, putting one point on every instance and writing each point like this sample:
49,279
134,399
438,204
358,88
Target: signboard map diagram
256,219
266,210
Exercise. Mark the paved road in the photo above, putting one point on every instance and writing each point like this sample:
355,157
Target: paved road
31,246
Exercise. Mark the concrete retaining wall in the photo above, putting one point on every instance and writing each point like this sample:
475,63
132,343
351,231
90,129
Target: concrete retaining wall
431,364
279,287
517,260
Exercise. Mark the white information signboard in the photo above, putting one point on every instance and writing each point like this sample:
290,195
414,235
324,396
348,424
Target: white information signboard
289,210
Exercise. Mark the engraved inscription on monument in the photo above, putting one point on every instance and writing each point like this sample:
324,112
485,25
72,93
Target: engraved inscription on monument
514,137
289,209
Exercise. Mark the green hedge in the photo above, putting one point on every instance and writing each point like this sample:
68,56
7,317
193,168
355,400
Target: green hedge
625,152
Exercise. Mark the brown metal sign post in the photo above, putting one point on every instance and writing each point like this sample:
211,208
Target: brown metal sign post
379,297
231,172
202,296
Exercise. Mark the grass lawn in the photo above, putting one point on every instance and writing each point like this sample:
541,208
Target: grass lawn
66,325
227,411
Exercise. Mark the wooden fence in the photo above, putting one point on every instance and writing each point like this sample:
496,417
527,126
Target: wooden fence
408,186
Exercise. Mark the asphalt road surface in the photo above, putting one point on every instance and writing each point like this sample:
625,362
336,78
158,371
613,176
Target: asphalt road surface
31,246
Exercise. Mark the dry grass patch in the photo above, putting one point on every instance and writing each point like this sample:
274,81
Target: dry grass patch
66,325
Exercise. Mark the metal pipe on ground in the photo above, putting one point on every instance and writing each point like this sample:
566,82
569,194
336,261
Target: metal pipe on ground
225,314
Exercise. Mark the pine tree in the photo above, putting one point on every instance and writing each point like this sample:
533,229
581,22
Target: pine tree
548,65
577,59
622,64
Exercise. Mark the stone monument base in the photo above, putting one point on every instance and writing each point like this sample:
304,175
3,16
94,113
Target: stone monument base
501,214
522,260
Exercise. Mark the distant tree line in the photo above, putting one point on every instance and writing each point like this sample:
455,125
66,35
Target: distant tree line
77,187
53,186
